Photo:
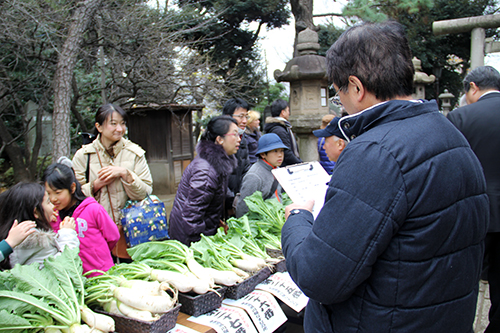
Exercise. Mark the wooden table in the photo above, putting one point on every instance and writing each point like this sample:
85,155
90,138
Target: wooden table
183,320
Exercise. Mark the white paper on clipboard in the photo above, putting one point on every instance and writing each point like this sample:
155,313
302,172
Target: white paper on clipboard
304,181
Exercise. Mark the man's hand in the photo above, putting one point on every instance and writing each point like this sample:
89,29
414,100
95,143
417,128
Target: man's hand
19,231
308,205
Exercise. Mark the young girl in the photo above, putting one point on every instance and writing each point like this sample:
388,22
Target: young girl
29,202
96,230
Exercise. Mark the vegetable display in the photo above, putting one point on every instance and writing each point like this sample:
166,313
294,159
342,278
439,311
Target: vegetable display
49,299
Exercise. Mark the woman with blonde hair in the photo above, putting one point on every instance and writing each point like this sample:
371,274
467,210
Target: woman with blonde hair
253,134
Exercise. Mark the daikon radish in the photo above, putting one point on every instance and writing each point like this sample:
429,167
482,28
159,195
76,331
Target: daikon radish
226,278
136,313
147,287
259,261
246,265
182,282
199,271
141,301
241,273
97,320
112,307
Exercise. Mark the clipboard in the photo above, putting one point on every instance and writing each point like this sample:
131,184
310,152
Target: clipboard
303,182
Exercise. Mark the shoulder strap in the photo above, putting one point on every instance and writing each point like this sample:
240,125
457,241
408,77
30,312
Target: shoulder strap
274,187
87,171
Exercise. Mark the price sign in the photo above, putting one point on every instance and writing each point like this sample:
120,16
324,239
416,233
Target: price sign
226,319
178,328
263,309
282,286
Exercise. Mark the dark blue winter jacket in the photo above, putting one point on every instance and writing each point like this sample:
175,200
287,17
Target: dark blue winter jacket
398,245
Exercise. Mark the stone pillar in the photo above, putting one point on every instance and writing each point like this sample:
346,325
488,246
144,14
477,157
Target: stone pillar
477,48
420,79
309,100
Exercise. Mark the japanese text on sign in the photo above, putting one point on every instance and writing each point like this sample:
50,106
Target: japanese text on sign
282,286
226,319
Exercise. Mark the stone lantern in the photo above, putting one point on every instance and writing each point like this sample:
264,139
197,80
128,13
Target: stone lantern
420,79
445,98
309,100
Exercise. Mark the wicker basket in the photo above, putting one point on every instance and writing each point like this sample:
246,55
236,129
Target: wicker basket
241,289
195,305
128,325
277,254
280,266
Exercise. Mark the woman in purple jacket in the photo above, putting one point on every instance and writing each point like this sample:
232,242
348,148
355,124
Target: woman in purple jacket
96,230
199,203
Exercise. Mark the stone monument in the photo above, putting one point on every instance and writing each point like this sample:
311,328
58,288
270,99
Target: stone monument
309,100
420,79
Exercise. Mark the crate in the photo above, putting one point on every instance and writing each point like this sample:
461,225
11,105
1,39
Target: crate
128,325
196,305
248,285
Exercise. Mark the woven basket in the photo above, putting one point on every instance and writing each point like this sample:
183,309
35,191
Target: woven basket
241,289
280,266
128,325
277,254
195,305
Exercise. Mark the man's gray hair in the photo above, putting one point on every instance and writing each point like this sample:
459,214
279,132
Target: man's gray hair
485,77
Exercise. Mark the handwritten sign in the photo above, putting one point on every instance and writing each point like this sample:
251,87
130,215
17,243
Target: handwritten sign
178,328
282,286
263,309
226,319
304,182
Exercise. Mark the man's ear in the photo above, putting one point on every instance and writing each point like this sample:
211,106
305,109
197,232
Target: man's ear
341,144
359,89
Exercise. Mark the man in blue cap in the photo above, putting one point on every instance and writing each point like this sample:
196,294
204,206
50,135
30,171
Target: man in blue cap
271,152
334,139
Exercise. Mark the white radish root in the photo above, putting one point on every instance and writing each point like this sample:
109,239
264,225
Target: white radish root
136,299
246,265
136,313
200,272
147,287
226,278
180,281
97,320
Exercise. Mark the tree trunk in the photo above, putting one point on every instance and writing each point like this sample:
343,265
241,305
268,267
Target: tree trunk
64,74
15,153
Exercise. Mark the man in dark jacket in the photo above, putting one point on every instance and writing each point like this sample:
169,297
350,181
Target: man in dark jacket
479,122
238,109
397,246
278,124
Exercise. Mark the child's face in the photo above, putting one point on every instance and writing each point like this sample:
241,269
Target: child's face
60,198
274,157
48,207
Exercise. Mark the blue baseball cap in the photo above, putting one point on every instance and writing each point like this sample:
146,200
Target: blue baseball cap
331,129
268,142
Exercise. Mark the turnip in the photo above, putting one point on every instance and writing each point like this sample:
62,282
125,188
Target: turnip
97,320
147,287
226,278
141,301
135,313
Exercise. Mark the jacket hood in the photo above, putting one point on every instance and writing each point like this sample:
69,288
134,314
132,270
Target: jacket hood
217,157
85,203
279,121
355,125
40,238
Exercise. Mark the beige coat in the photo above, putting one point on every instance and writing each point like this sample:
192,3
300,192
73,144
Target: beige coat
128,155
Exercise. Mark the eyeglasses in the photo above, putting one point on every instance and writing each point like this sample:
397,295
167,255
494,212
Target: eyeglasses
234,133
336,98
241,116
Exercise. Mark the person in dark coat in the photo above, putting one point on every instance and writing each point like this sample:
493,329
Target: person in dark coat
479,122
199,201
279,124
253,134
397,246
238,109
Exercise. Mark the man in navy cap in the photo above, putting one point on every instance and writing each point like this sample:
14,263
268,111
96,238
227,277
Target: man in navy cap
334,139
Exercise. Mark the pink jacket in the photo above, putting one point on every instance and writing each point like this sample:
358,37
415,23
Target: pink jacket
98,235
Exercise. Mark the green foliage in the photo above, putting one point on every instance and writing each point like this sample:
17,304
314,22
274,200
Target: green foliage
327,35
269,93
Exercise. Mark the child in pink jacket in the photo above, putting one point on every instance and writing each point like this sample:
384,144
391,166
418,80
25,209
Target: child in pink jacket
96,230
